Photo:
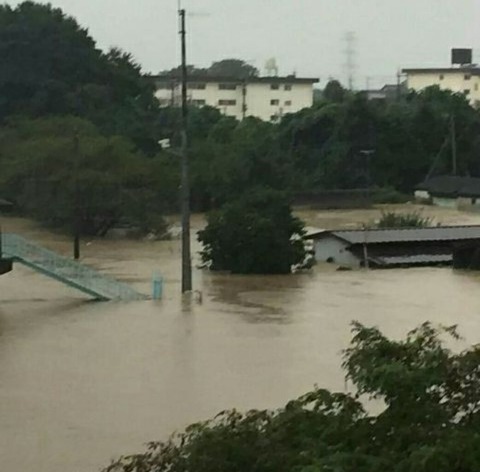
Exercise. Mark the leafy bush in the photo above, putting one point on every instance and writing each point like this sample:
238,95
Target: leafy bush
389,195
414,219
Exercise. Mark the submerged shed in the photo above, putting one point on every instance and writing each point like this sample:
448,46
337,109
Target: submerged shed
393,247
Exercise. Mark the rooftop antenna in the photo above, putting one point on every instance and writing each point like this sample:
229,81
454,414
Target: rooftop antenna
350,55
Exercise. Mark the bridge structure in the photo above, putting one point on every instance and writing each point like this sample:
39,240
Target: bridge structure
16,249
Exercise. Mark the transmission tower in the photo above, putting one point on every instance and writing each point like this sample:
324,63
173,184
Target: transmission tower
350,56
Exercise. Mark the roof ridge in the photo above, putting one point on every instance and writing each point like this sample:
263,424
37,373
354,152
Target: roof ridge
409,228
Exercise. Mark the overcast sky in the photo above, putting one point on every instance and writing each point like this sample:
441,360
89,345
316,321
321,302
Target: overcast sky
305,36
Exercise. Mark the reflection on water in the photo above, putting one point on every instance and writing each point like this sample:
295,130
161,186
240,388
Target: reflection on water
83,382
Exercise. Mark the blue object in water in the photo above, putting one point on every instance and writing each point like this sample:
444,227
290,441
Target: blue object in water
157,287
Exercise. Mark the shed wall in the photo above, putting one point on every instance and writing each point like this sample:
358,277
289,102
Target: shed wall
331,249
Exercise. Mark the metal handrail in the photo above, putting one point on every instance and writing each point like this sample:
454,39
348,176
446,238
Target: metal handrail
66,270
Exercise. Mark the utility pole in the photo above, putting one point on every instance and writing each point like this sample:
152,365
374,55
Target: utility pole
185,184
76,204
454,145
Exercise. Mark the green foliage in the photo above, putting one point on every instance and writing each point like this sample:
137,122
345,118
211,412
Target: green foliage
430,421
327,143
235,68
51,66
255,234
227,68
389,195
413,219
334,92
54,168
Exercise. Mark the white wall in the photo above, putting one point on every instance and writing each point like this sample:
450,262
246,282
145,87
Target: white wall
333,248
445,202
453,80
259,96
422,195
257,99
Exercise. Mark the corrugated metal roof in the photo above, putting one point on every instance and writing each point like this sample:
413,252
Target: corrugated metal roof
400,235
312,230
453,186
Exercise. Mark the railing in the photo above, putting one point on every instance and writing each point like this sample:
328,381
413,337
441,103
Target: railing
66,270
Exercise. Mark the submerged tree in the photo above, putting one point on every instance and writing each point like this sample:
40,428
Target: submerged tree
412,219
256,234
60,168
430,421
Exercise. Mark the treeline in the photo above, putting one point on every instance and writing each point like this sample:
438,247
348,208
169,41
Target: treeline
79,133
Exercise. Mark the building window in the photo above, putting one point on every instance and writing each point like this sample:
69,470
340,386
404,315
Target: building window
197,86
274,86
288,103
274,118
476,87
227,103
466,92
467,77
441,77
288,88
275,102
199,103
227,86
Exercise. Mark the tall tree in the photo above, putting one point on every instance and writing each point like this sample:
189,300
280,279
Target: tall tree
50,65
234,68
334,92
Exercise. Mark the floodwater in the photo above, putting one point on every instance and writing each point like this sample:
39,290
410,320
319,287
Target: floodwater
83,382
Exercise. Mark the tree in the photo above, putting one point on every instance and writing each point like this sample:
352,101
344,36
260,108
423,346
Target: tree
334,92
234,68
227,68
102,179
51,66
255,234
429,423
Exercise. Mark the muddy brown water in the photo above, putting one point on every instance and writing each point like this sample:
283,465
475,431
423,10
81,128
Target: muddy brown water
83,382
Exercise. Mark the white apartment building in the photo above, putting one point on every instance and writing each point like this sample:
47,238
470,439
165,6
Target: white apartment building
267,98
464,80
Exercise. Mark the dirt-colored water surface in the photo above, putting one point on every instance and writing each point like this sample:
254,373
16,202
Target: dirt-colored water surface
83,382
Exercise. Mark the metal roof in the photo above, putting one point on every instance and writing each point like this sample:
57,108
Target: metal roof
471,69
403,235
453,186
193,78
